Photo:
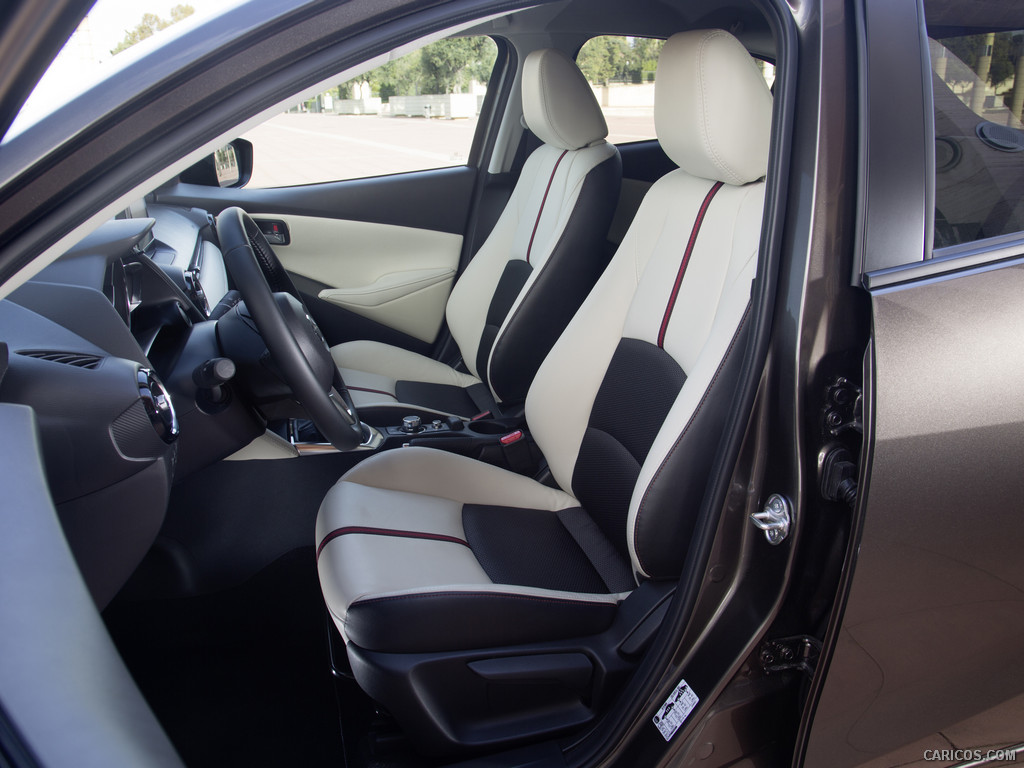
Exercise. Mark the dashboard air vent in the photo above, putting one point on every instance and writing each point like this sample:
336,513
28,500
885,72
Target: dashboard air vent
66,358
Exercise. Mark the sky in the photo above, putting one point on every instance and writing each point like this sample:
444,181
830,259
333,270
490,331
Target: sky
108,21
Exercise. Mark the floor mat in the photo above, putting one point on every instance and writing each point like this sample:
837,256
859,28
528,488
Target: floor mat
239,677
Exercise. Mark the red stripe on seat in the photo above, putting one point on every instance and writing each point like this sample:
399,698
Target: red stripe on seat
686,260
542,202
338,532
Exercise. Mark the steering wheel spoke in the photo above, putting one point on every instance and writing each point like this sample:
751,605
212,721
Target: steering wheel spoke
343,402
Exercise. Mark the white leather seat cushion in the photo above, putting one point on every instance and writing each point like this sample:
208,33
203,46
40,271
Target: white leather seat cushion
372,369
388,533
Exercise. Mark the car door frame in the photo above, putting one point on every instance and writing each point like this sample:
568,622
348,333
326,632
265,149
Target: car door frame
869,697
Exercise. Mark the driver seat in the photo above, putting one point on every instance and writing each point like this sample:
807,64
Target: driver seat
527,279
482,607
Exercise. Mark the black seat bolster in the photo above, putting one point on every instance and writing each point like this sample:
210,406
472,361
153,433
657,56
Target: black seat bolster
515,275
661,535
640,385
565,279
431,622
615,572
522,551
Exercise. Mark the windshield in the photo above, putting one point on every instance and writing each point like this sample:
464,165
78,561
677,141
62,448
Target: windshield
113,34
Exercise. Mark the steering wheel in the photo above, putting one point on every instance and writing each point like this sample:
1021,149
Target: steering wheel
293,338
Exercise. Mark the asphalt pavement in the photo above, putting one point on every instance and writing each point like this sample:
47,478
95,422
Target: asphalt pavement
304,148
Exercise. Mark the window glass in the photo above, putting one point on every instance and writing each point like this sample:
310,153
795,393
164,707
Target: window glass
621,72
978,84
414,113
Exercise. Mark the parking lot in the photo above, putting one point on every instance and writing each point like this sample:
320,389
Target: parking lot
303,148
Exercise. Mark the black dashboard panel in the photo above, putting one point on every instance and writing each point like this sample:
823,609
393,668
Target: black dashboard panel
91,340
182,246
80,394
98,440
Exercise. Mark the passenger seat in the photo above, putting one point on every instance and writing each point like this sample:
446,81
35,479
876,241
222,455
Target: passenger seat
483,607
529,277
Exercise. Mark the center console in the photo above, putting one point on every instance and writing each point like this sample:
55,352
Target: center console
503,442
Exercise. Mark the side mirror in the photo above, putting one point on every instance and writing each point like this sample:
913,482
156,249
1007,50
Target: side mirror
229,166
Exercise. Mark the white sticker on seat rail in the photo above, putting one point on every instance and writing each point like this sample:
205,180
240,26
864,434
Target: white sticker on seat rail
675,710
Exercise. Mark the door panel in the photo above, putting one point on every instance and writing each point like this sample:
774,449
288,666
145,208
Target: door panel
934,621
385,249
932,627
397,276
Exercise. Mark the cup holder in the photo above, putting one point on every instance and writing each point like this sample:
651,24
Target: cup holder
485,427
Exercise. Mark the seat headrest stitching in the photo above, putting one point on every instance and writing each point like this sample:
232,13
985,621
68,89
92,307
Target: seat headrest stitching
551,114
705,131
730,174
543,90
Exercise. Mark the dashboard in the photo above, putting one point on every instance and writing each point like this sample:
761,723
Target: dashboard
104,345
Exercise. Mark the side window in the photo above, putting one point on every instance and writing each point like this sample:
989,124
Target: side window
621,71
414,113
978,83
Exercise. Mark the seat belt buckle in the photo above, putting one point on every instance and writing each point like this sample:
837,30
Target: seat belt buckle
517,452
479,416
511,437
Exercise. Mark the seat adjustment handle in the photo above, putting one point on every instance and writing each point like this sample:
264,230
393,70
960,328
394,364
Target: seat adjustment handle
572,670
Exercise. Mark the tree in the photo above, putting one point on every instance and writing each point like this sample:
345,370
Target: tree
621,59
482,65
400,77
646,52
446,66
150,25
443,63
180,12
599,59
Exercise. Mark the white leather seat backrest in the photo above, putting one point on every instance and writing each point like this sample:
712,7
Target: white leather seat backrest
560,108
678,287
